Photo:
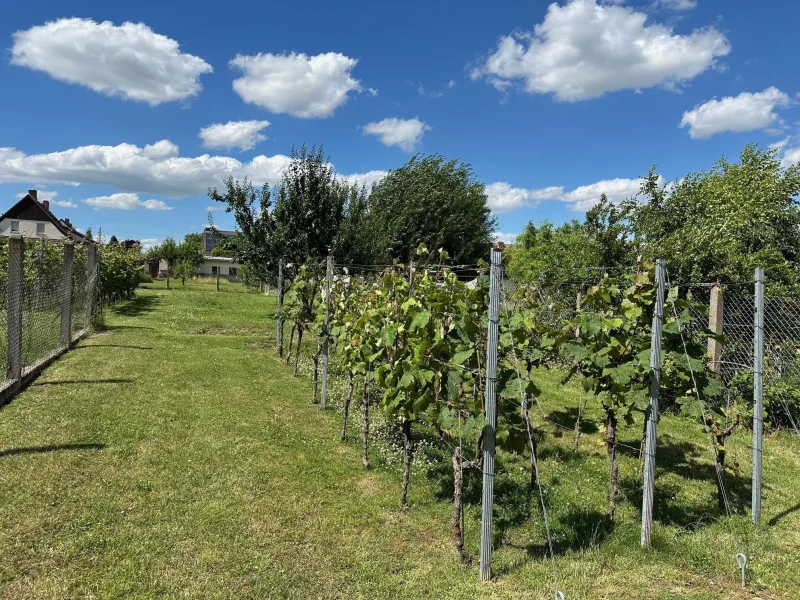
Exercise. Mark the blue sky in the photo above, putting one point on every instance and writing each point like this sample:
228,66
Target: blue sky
104,103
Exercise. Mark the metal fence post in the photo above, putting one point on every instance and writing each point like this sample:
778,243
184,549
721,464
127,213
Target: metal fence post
716,307
758,394
325,332
280,308
66,294
491,414
652,411
14,296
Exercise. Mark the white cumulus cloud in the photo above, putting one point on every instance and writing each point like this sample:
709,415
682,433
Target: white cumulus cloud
234,134
309,87
50,196
745,112
155,169
65,203
505,198
506,238
148,243
129,60
583,50
125,201
367,179
678,4
404,133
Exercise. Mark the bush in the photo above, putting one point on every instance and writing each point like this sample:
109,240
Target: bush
121,271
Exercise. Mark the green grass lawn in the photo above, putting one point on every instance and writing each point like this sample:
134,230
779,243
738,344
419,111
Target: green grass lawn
174,456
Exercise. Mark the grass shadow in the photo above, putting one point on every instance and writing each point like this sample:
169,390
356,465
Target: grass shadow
690,462
783,514
53,448
576,530
123,327
136,307
85,346
568,416
82,381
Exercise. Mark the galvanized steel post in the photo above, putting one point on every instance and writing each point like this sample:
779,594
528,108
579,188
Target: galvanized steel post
495,281
280,308
325,332
652,411
758,394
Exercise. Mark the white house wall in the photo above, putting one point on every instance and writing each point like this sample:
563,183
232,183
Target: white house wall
224,268
28,229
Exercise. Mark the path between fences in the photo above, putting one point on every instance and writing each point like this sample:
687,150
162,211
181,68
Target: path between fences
174,455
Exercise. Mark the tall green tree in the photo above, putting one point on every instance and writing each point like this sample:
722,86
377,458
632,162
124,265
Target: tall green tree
718,225
309,208
251,208
547,254
190,250
168,252
434,202
608,226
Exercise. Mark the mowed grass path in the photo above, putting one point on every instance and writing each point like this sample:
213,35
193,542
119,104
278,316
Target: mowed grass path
174,456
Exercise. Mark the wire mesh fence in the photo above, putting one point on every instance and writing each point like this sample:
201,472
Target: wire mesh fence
594,327
48,298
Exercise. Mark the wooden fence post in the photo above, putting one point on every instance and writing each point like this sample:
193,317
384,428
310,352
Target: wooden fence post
716,308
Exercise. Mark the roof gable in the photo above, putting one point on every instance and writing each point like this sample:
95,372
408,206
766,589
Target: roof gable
30,209
27,209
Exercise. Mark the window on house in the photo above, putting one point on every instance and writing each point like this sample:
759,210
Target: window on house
232,271
214,270
40,229
15,226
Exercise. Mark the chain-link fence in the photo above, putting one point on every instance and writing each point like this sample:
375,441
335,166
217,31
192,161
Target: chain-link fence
731,312
48,299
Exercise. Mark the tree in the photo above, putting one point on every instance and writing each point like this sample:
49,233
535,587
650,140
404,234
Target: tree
547,254
718,225
168,252
254,246
309,208
435,202
190,251
184,270
607,225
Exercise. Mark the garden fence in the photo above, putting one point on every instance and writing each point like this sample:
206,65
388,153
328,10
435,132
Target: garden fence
728,309
48,300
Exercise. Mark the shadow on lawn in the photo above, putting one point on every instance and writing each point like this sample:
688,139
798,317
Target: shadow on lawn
85,346
783,514
82,381
566,418
138,306
692,462
123,327
53,448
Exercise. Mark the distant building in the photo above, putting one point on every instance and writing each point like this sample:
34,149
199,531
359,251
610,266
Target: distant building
228,269
212,238
31,218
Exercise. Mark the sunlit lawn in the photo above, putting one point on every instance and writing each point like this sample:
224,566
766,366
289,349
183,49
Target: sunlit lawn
174,456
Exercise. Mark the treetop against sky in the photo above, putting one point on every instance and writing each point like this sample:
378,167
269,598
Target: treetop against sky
124,114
